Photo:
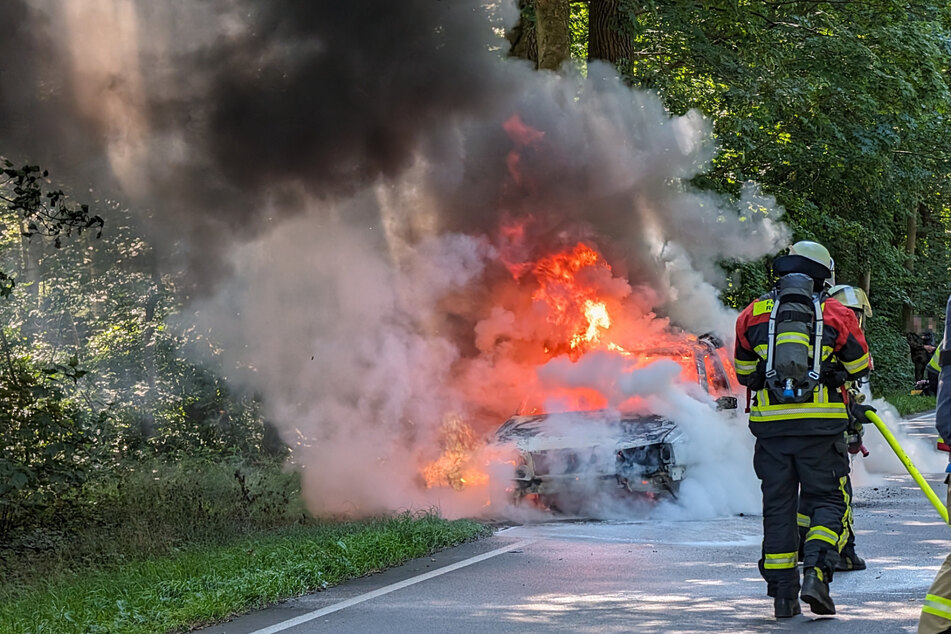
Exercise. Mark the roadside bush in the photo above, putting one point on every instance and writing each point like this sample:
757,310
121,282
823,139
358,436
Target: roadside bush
45,441
153,508
893,368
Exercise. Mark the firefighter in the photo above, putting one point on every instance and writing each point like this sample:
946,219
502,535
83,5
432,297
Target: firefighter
855,299
936,612
800,424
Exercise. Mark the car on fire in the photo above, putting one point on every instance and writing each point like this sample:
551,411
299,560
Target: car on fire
617,452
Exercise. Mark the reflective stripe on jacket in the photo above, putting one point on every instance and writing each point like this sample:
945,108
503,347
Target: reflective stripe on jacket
842,342
935,364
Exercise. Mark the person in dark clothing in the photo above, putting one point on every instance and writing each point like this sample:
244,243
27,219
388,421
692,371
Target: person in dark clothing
919,354
800,431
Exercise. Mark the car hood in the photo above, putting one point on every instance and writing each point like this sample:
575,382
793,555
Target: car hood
600,428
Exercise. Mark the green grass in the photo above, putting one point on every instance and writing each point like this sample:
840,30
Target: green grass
907,403
202,585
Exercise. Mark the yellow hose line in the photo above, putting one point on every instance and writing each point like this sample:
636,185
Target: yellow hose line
912,469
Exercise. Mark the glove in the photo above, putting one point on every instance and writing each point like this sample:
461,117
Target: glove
943,446
757,380
859,412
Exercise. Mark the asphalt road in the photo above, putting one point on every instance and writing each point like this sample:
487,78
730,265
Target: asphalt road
640,576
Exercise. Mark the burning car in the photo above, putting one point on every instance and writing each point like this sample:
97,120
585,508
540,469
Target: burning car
563,457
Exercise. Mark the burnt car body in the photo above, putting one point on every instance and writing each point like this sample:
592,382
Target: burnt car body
614,451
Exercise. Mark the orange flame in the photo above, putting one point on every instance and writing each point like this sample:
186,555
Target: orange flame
454,467
575,310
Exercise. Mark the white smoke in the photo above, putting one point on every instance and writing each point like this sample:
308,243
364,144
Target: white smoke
882,461
717,452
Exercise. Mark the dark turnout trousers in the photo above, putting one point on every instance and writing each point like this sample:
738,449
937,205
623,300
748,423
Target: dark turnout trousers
818,466
804,518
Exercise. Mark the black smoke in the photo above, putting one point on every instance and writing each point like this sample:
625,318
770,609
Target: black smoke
336,94
251,106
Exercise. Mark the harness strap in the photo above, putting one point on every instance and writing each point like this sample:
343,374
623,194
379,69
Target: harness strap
817,339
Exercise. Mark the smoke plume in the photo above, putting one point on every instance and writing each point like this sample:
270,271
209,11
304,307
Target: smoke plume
360,193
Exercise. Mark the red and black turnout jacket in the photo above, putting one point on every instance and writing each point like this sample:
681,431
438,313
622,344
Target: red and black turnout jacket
842,343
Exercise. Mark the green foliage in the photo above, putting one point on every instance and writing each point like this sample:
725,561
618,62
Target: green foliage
202,585
578,27
45,439
838,109
93,378
890,357
151,508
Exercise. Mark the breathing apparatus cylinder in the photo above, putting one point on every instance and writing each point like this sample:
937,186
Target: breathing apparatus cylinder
793,329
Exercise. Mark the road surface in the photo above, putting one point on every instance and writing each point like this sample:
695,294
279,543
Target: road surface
637,576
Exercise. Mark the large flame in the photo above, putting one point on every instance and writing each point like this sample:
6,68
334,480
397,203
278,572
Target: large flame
577,305
566,302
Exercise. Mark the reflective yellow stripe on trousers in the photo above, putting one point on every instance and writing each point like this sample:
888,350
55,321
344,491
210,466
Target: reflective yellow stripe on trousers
780,561
824,534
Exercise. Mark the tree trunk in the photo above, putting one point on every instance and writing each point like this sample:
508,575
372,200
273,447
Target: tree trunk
866,282
553,32
606,41
911,238
522,35
30,279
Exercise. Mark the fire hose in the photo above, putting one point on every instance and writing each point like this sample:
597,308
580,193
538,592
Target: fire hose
909,465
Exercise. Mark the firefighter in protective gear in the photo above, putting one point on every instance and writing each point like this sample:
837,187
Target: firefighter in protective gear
801,445
936,612
856,299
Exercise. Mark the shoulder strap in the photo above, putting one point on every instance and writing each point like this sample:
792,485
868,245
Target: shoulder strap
771,338
817,339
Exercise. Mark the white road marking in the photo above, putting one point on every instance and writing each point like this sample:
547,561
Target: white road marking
330,609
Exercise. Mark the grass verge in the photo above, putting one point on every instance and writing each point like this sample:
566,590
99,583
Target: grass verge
203,585
910,404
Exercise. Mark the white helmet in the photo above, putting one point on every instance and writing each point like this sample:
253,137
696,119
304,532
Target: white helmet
810,258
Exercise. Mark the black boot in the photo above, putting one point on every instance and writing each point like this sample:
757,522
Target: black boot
848,560
786,608
815,592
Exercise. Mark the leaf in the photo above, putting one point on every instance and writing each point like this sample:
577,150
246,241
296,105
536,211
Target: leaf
19,479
